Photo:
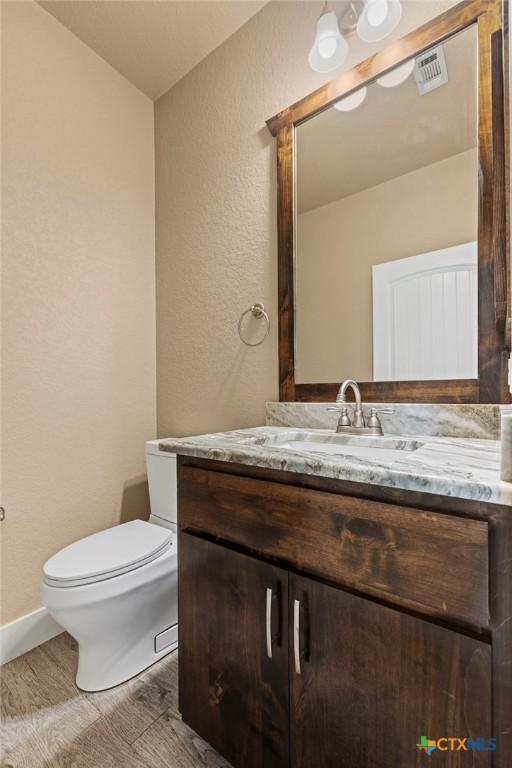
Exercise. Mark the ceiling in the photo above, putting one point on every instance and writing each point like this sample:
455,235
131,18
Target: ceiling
153,43
395,131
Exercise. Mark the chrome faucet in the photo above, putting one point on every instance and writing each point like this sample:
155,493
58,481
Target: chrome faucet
358,425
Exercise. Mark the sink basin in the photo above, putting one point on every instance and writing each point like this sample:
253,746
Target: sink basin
363,446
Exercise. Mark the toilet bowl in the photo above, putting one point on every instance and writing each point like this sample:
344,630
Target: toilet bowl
116,591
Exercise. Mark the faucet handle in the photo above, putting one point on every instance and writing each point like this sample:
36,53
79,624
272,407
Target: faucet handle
374,421
344,420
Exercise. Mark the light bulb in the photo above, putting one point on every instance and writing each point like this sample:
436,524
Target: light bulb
377,12
352,101
398,75
378,19
329,49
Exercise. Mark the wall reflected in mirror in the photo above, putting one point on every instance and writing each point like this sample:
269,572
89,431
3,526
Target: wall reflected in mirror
387,220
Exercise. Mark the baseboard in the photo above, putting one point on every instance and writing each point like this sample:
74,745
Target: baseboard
25,633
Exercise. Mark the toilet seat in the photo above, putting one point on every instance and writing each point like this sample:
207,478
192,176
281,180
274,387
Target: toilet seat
109,553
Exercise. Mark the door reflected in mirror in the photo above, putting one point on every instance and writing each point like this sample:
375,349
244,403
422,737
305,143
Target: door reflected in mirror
387,223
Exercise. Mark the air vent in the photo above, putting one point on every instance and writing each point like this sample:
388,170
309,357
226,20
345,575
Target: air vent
430,70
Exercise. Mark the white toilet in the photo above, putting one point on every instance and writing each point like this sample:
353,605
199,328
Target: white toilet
116,592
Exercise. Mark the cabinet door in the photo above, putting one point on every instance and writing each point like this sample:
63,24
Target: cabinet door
374,680
233,653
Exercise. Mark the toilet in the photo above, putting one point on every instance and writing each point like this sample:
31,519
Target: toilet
116,592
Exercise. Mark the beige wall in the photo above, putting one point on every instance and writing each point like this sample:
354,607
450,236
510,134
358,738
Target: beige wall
216,215
337,245
78,296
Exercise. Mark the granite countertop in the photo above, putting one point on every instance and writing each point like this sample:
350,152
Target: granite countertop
458,467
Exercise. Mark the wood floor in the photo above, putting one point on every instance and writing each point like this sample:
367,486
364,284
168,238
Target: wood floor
48,723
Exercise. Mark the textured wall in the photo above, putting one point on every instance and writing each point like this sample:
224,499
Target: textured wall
78,296
216,215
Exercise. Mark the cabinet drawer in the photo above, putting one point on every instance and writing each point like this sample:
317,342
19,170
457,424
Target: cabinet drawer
429,562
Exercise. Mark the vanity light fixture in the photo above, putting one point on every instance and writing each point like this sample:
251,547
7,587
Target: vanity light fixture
352,101
378,19
330,48
398,75
372,19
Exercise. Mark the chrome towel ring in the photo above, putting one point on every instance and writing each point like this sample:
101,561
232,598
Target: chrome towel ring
258,311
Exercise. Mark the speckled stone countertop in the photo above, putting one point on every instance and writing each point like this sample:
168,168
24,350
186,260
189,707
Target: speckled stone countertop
458,467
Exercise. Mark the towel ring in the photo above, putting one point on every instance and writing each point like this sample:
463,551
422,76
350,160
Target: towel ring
258,311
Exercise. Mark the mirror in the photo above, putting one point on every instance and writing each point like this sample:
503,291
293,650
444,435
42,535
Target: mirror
387,225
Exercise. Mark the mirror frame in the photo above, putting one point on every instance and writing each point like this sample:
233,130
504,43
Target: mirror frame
491,386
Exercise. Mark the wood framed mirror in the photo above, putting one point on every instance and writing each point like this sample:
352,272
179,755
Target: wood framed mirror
413,317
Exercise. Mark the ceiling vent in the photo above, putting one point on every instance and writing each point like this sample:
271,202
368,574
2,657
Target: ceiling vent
430,70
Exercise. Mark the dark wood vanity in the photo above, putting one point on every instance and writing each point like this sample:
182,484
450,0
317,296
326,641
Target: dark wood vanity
327,623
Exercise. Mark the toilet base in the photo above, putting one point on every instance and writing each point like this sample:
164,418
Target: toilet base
103,667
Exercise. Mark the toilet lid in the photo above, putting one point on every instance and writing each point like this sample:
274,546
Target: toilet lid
108,553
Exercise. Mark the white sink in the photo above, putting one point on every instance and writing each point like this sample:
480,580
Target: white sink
363,446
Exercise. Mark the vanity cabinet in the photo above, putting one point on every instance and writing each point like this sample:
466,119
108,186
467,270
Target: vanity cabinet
281,669
305,641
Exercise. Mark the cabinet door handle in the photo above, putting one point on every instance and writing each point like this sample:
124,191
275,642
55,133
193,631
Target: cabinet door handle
296,635
268,622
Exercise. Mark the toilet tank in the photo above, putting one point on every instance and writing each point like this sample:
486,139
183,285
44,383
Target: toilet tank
161,469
